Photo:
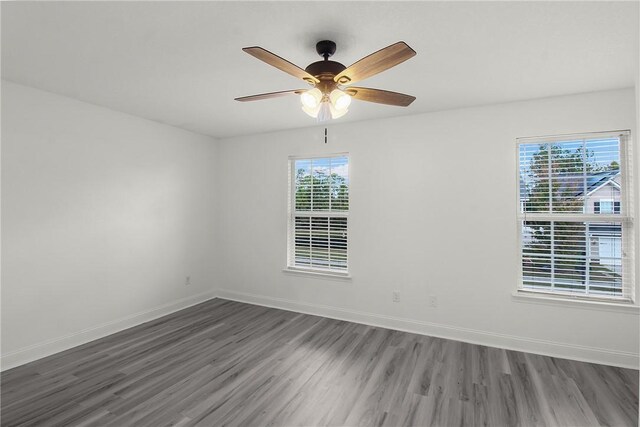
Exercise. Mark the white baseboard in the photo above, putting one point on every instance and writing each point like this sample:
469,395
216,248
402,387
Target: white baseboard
509,342
56,345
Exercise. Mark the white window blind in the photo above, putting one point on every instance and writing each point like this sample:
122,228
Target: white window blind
318,213
570,242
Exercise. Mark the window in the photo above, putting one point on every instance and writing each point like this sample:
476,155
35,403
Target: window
318,214
575,217
608,206
605,206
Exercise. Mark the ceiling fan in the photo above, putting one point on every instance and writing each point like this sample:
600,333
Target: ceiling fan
331,94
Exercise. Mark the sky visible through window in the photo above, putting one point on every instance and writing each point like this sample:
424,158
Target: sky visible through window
326,165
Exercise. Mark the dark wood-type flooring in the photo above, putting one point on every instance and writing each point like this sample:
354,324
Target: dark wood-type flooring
228,363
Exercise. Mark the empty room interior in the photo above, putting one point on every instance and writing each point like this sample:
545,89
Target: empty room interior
318,213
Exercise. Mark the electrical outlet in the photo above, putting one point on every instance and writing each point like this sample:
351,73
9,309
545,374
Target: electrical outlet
187,282
433,300
396,296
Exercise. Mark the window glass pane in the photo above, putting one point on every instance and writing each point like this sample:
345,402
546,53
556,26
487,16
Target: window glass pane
603,154
320,242
536,253
605,261
321,184
570,176
570,255
302,184
302,241
603,181
576,257
339,183
338,243
567,176
534,177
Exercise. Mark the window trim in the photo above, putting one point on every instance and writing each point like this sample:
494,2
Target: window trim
524,296
311,272
290,267
625,217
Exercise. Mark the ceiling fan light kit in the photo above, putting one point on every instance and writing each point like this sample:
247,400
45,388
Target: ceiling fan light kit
325,106
330,96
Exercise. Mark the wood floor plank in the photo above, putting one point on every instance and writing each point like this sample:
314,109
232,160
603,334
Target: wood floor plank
226,363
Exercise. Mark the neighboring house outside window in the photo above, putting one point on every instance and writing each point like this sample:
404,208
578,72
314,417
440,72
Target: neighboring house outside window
603,197
574,216
318,214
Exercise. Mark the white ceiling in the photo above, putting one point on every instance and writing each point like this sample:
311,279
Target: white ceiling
181,63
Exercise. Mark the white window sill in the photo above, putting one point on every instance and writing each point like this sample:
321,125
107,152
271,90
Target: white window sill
623,306
317,273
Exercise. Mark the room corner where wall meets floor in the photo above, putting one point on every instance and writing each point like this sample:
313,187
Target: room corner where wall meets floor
107,221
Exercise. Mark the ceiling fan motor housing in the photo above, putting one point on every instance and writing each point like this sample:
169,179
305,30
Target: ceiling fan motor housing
325,70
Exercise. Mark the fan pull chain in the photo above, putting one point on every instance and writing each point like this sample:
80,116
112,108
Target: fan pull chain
325,135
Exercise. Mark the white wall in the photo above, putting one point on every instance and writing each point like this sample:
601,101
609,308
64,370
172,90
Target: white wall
103,217
433,212
104,214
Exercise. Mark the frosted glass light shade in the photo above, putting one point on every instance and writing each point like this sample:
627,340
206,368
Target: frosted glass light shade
340,100
322,107
335,113
311,98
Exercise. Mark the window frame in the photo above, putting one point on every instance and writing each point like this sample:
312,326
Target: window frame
625,217
291,214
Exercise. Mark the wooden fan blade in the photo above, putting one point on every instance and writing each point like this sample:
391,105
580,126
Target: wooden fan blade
376,63
280,63
270,95
380,96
